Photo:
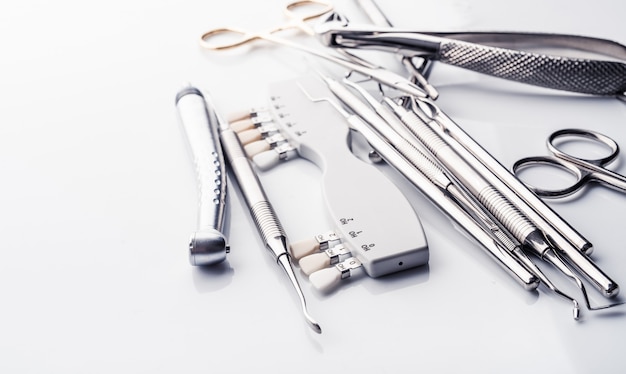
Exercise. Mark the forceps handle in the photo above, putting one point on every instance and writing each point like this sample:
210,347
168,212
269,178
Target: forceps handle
597,77
582,75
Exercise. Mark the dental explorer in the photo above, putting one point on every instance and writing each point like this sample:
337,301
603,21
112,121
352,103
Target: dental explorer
506,213
571,244
432,184
509,214
388,139
446,127
262,212
208,245
396,134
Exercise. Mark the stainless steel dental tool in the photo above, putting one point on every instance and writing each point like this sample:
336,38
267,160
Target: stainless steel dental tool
496,201
365,210
568,241
208,245
513,220
573,245
431,181
383,76
261,210
498,54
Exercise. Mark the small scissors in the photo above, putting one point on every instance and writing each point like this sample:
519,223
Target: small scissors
585,170
383,76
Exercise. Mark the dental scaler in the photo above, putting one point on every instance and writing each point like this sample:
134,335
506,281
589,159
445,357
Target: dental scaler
261,210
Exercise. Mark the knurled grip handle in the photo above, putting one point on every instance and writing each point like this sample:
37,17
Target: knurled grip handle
506,213
598,77
266,221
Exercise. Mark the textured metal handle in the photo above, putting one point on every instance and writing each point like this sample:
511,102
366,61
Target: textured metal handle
266,220
598,77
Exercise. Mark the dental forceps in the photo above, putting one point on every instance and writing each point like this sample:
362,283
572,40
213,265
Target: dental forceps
585,170
383,76
498,54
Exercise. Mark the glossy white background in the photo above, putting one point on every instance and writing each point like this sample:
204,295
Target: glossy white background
98,198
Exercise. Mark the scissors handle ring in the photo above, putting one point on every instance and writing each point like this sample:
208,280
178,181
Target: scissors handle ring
242,38
551,161
325,8
585,134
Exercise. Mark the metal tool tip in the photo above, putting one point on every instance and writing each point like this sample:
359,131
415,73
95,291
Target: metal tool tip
576,310
315,326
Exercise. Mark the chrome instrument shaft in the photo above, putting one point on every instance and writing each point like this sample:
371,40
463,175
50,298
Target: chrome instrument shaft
424,175
569,242
262,212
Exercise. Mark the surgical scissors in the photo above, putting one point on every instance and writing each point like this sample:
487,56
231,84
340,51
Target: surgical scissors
383,76
585,170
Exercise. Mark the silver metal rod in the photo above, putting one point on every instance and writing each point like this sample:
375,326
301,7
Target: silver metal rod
378,18
434,185
262,212
374,13
560,233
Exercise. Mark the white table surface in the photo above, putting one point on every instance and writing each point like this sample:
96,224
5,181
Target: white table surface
98,198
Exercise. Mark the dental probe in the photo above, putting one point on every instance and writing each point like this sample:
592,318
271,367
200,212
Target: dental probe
438,177
261,210
497,202
435,191
396,133
572,245
208,245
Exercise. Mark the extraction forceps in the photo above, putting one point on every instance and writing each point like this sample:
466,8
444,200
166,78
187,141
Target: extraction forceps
211,40
585,170
499,54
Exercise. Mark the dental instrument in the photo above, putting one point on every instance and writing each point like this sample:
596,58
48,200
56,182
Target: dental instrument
262,212
379,74
502,201
498,54
566,238
433,185
585,170
366,211
504,212
396,134
572,245
208,245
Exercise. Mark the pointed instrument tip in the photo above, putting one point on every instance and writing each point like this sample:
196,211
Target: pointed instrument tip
314,325
576,310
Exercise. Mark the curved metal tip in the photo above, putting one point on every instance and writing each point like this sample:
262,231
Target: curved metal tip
554,257
576,310
285,262
314,325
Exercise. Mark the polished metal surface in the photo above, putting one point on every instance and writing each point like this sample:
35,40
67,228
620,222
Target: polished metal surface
208,245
